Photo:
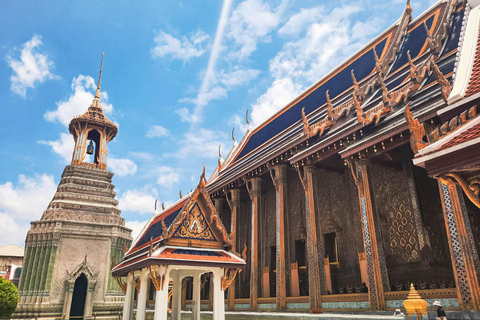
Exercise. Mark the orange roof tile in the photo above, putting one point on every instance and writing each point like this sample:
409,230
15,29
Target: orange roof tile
464,136
474,83
192,254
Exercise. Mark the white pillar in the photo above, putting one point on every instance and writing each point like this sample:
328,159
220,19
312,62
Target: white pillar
129,295
196,296
142,295
177,296
161,300
218,296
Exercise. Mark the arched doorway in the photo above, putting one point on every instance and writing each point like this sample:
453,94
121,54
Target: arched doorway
79,296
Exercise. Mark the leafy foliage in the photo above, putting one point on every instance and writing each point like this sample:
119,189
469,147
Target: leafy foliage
8,298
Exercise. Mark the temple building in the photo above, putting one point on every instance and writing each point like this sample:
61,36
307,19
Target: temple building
365,183
70,250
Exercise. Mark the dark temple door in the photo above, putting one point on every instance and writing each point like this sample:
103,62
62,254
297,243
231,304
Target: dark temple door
79,296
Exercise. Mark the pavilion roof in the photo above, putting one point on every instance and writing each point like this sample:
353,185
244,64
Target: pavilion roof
189,232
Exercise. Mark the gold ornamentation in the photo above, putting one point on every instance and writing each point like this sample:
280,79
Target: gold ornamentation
125,248
471,188
415,305
163,205
443,82
228,278
417,131
136,282
121,284
155,276
195,226
317,128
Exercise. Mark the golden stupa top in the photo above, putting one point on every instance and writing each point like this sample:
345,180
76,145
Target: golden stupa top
94,114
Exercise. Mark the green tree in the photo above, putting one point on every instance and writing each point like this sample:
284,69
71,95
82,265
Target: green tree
8,298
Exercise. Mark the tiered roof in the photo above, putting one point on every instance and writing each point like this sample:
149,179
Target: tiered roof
188,232
410,61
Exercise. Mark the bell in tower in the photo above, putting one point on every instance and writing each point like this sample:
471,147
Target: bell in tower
92,132
90,147
69,252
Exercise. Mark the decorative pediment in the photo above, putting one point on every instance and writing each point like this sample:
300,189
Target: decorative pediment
194,226
82,268
198,223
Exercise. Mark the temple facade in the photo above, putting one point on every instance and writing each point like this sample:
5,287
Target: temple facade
365,183
69,252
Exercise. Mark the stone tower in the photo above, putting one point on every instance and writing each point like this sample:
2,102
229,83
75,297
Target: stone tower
69,252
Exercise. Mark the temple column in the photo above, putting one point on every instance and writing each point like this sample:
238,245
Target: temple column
177,297
254,190
218,296
142,295
129,295
463,252
279,178
196,296
234,204
161,298
316,273
375,256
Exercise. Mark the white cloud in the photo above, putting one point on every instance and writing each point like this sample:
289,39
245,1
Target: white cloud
122,167
136,227
281,92
63,146
297,22
181,49
203,143
252,21
319,42
32,67
221,83
141,201
22,203
157,132
167,176
83,88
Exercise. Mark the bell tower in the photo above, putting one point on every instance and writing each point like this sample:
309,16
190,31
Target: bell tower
70,251
92,132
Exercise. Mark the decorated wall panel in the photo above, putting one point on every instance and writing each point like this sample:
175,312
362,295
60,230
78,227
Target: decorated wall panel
295,211
267,221
337,212
243,239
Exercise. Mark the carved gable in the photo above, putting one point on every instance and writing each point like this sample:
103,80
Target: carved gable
198,224
195,226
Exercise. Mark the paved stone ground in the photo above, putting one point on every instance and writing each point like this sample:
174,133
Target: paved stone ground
283,316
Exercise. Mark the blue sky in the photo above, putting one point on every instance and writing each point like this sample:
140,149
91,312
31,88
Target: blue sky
177,77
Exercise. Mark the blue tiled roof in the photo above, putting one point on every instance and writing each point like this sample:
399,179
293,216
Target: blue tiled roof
197,252
363,65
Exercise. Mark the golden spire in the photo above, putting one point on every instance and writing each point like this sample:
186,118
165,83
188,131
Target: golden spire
97,94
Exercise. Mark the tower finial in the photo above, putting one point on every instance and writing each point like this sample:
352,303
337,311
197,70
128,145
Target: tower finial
97,94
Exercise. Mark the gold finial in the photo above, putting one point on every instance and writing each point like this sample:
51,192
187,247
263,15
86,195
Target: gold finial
156,200
246,116
163,205
233,134
181,196
219,151
97,94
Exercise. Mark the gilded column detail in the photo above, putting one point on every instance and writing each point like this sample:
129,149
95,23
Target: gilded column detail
376,264
254,190
234,204
279,178
316,274
463,251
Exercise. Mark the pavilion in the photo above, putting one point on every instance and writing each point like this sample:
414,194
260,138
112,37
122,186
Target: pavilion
188,239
